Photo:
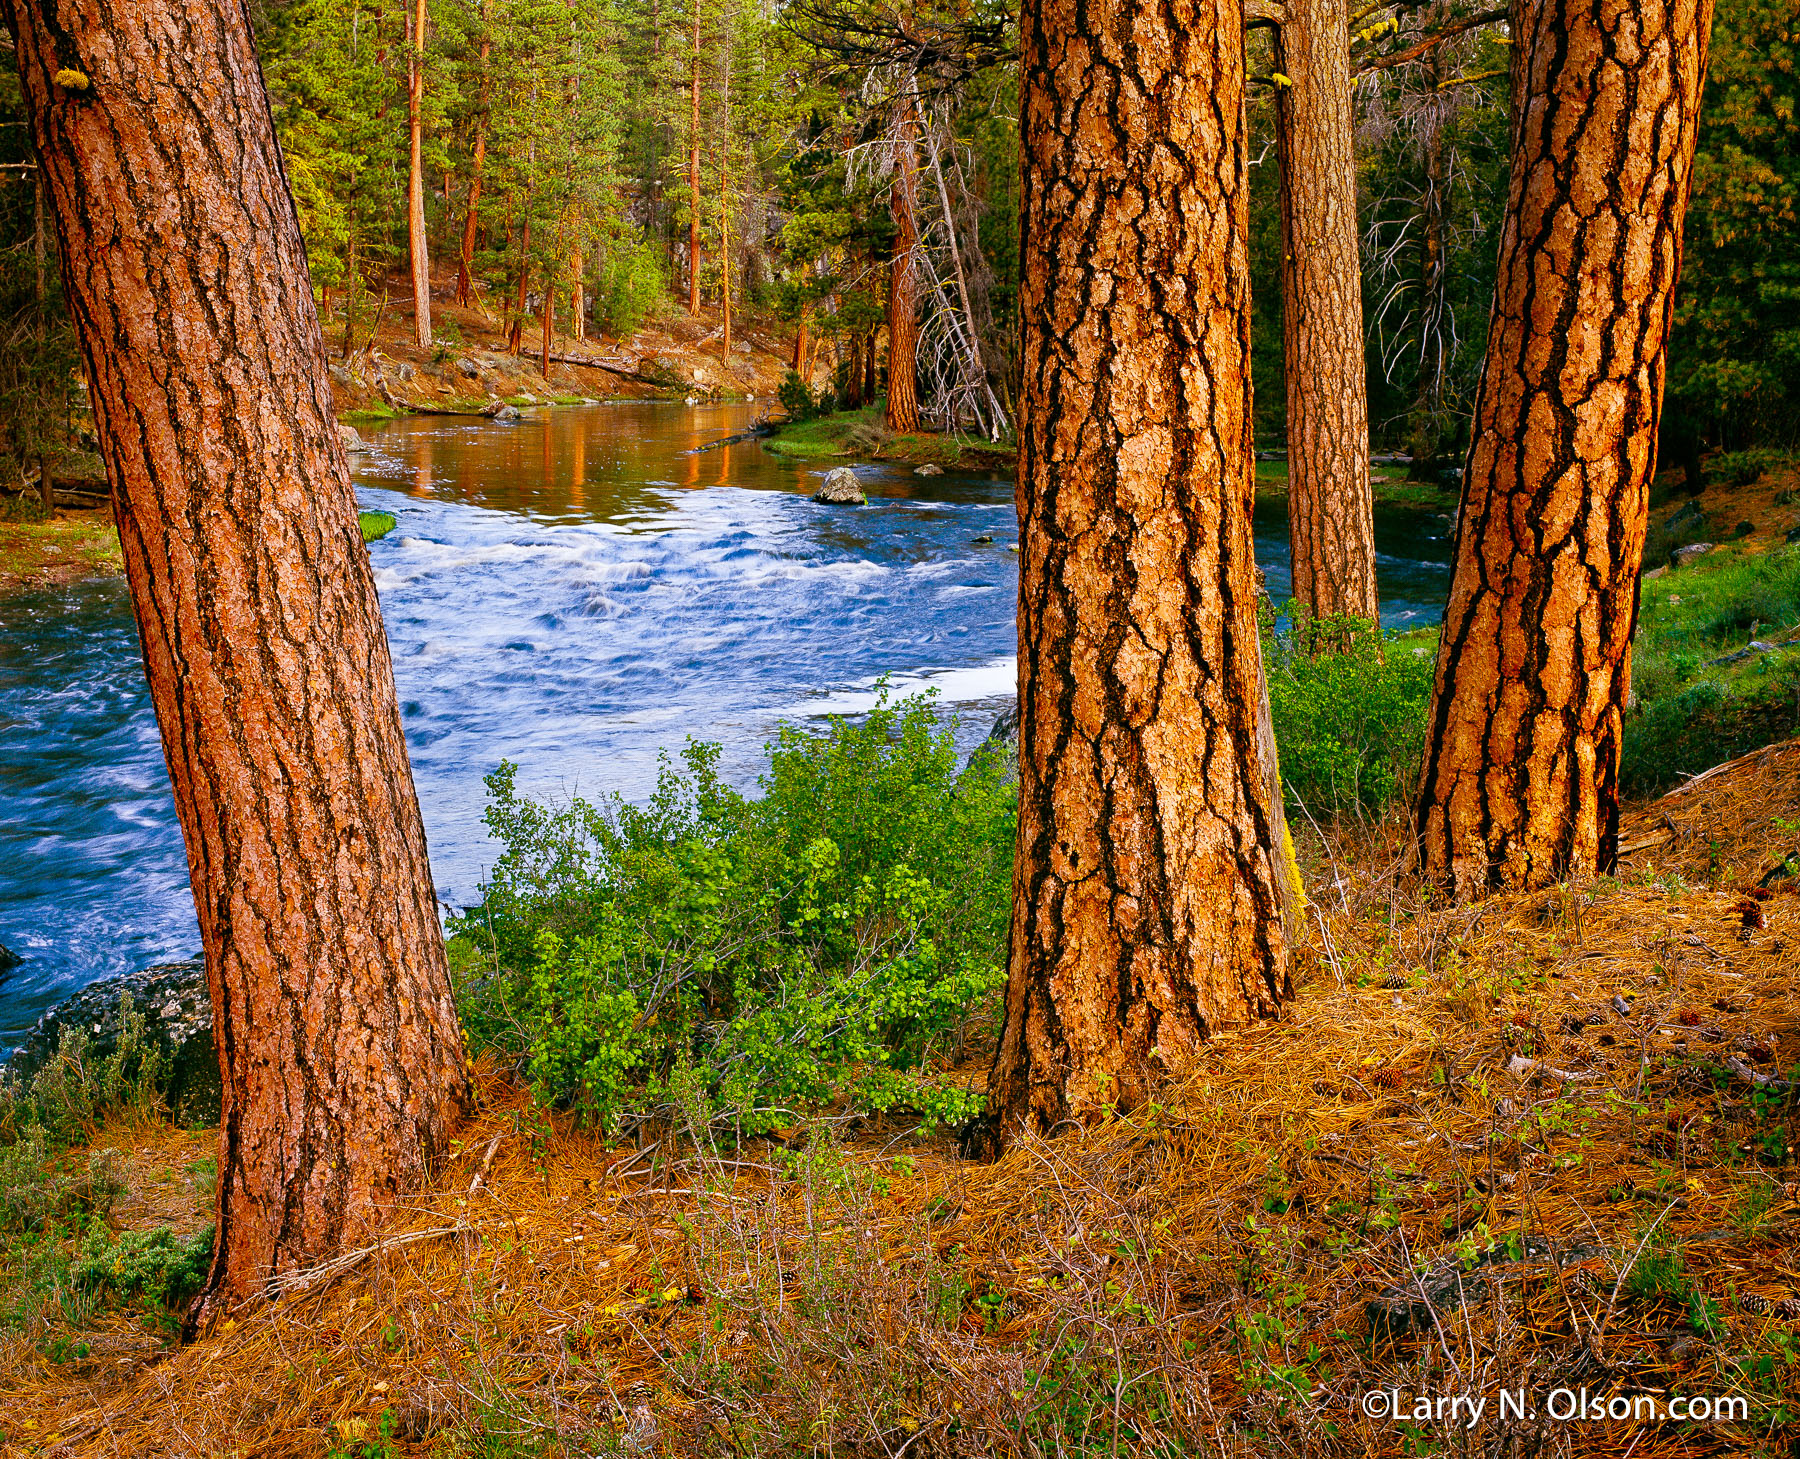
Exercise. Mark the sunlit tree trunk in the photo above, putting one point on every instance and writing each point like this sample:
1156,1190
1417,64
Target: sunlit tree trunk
1521,771
415,180
1147,901
694,169
256,609
578,296
800,340
903,301
1331,521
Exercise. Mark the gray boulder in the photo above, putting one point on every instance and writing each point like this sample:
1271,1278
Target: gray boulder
841,489
468,368
402,371
500,410
1682,556
352,439
177,1010
8,959
930,468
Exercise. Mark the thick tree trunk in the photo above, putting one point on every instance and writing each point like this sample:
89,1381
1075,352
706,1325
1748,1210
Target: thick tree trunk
694,168
549,317
465,273
261,633
1331,513
1534,667
903,302
415,181
515,336
1147,893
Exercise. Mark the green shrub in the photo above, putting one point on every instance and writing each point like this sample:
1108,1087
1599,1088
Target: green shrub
156,1267
1350,724
821,942
627,287
75,1092
23,509
1742,468
797,400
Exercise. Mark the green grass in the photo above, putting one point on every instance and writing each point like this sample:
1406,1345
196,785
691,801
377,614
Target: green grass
374,410
375,525
824,436
1692,711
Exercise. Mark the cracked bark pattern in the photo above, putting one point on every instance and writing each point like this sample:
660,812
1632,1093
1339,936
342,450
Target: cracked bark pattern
257,614
903,288
1331,513
1146,904
1534,666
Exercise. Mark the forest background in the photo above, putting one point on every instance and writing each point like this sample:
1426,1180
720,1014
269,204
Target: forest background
617,159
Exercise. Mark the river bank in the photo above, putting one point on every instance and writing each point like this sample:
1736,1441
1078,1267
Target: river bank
1502,1131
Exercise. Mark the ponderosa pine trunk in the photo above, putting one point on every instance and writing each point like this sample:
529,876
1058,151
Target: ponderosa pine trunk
800,340
261,633
415,180
1534,668
694,168
1147,901
1331,512
903,291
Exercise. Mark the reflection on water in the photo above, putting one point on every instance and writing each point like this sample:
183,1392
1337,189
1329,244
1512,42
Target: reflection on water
577,592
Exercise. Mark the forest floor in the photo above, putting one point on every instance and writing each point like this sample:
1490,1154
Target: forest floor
1539,1143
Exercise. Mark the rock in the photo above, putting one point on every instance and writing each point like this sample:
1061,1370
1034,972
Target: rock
468,369
339,375
930,468
1002,742
841,489
1682,556
742,346
402,371
1689,515
986,539
526,398
352,439
8,959
1793,534
1743,529
500,410
177,1010
1657,572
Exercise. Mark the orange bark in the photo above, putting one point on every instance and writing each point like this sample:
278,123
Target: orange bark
1146,892
1534,668
1331,511
261,632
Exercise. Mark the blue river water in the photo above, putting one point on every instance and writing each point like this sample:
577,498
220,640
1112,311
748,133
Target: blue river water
577,592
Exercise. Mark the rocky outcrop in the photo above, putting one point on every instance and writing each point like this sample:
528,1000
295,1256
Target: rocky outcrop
177,1010
841,489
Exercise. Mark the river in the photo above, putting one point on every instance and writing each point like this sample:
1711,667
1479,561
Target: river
576,592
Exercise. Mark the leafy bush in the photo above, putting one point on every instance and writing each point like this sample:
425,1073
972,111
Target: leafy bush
23,509
628,286
75,1092
1349,725
821,942
143,1266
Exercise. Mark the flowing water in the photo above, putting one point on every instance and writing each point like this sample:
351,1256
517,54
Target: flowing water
577,592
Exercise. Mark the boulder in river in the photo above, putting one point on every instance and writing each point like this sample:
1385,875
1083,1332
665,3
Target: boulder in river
352,439
930,468
177,1010
8,959
500,410
841,489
